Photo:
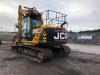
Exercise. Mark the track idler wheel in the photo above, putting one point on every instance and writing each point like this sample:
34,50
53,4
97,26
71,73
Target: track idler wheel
64,50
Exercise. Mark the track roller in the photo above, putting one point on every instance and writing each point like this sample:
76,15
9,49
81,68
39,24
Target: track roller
37,53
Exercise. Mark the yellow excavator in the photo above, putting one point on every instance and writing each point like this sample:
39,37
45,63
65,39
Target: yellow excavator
41,35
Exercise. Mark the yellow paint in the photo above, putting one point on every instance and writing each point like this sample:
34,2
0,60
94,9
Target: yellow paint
49,26
44,33
37,36
44,40
44,37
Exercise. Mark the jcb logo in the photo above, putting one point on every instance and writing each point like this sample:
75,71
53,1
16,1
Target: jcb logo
61,35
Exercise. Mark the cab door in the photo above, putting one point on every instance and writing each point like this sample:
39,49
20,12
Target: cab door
26,28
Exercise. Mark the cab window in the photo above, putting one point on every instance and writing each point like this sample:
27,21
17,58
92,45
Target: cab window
36,23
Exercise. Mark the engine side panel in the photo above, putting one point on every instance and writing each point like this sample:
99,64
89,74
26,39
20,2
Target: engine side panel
54,36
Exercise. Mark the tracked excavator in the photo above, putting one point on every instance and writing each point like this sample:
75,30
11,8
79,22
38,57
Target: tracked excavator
41,35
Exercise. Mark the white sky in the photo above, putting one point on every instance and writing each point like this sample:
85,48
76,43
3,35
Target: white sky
82,14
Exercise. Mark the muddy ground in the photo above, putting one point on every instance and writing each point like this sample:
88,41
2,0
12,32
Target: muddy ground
78,63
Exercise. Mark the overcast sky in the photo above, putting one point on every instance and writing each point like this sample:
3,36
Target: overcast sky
82,14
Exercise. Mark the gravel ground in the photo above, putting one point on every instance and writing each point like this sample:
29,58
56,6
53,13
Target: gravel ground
78,63
94,49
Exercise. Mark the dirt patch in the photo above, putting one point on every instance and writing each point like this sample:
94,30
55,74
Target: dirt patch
82,60
3,64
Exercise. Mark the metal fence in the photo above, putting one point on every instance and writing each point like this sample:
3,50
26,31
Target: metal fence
85,38
6,33
6,37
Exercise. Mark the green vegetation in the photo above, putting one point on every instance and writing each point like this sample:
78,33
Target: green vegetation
90,31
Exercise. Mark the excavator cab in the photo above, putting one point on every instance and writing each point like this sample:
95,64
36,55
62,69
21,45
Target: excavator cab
28,25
